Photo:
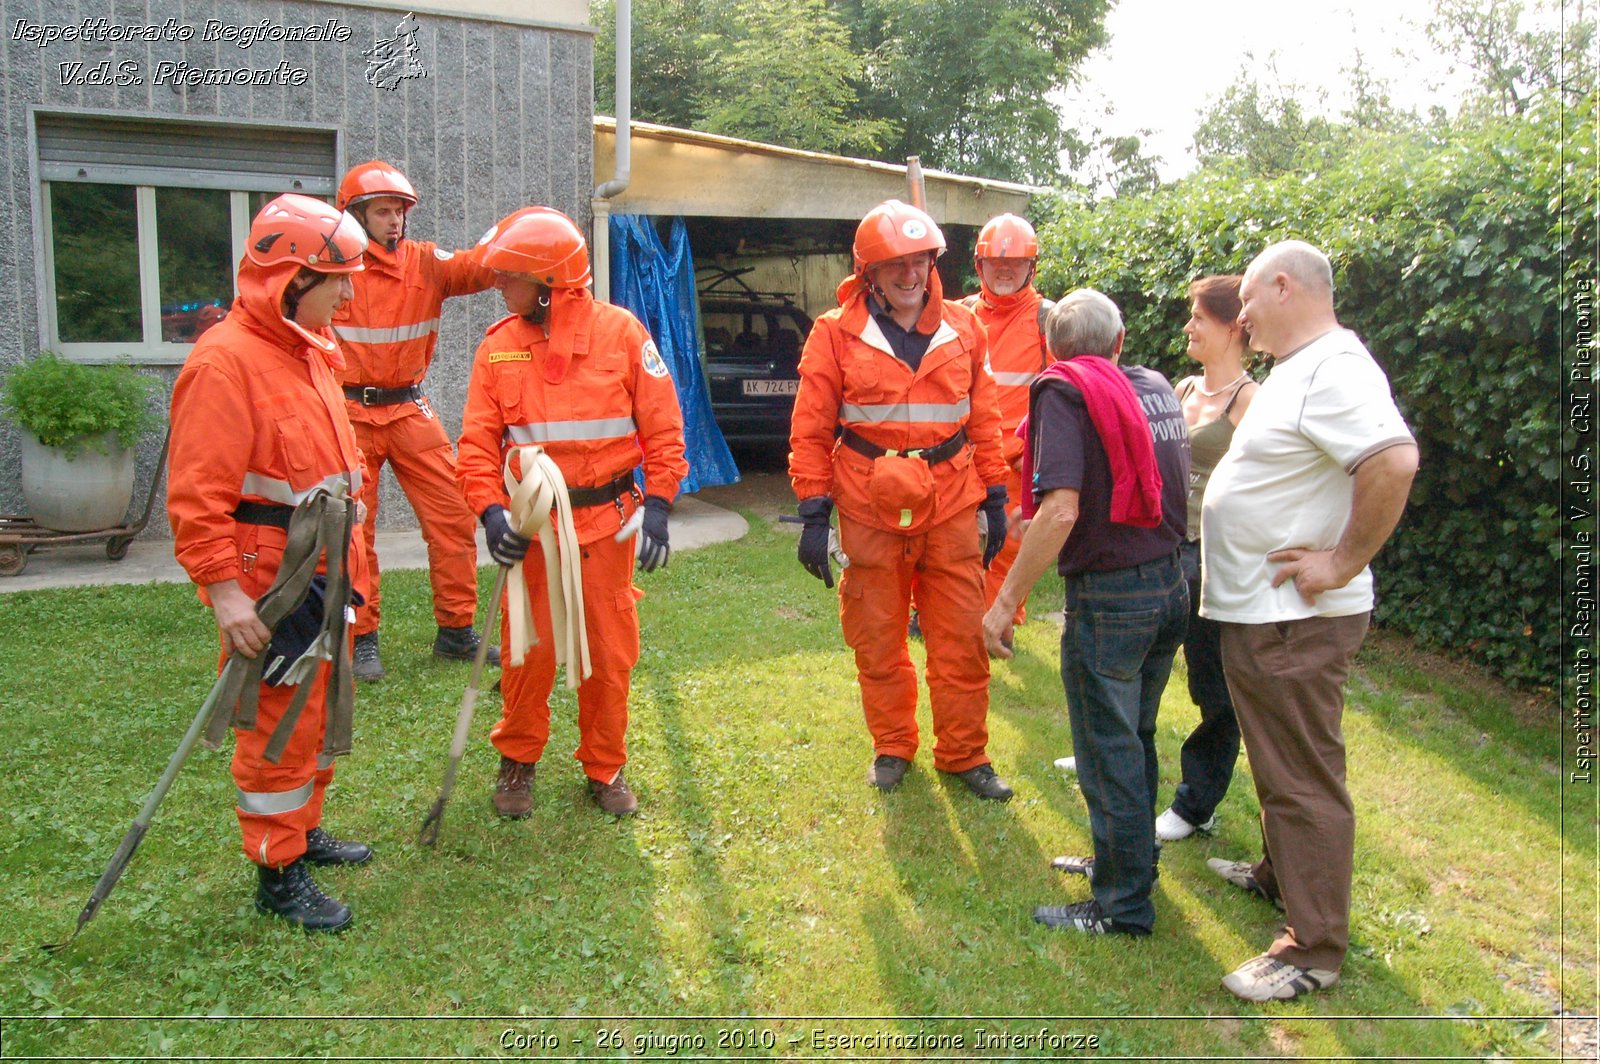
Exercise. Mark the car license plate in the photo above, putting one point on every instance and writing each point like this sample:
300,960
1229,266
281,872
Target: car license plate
754,387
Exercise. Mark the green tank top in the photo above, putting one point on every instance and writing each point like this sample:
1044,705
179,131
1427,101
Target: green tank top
1207,445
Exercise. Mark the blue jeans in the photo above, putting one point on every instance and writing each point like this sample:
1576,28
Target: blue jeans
1210,751
1122,630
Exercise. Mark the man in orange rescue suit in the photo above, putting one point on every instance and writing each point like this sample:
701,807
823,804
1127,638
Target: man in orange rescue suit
388,332
257,423
896,422
1012,313
584,381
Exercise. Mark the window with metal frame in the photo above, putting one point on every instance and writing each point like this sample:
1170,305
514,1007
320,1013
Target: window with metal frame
144,220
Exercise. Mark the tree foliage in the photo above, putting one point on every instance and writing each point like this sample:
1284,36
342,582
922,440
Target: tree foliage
1510,60
1451,251
965,86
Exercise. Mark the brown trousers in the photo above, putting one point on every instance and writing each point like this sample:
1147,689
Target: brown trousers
1287,681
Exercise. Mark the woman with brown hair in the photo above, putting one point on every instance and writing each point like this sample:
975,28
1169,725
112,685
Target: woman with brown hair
1214,400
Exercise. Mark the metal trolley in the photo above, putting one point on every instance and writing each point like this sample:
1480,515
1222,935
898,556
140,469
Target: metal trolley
20,536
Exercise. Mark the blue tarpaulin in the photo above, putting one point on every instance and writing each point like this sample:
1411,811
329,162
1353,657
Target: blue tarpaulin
656,282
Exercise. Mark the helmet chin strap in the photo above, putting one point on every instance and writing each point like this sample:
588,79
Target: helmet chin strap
541,310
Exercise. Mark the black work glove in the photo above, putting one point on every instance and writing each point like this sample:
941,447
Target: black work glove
814,537
994,509
653,548
505,546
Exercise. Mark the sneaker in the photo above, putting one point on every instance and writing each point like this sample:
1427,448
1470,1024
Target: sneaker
887,771
913,627
614,797
983,781
364,661
1083,916
1266,978
1241,875
324,849
513,788
1067,764
1084,866
461,644
1170,826
291,893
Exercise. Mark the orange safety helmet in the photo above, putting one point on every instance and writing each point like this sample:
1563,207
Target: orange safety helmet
296,228
542,243
892,229
1006,237
371,180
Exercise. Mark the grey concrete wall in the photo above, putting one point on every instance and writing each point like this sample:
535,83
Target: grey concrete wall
502,119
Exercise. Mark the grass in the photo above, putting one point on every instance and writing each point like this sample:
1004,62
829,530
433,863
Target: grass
764,883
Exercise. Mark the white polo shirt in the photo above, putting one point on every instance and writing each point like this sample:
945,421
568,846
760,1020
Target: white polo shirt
1288,478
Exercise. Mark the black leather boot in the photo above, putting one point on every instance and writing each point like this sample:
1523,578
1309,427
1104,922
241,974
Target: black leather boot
324,849
365,664
461,644
291,893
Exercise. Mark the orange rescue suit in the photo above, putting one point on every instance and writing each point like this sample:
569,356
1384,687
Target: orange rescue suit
614,406
388,332
850,377
257,415
1017,353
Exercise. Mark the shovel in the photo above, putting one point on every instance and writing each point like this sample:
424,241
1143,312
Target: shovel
429,833
141,823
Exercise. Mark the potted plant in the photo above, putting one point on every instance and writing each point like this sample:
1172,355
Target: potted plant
81,425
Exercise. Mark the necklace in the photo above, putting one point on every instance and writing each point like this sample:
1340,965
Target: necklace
1212,395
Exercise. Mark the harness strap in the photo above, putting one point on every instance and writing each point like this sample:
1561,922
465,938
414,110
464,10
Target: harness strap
541,506
319,528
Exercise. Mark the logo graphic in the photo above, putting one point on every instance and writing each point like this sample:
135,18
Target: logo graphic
653,364
392,61
914,229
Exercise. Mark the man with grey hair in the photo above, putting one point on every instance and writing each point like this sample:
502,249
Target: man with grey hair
1107,457
1312,486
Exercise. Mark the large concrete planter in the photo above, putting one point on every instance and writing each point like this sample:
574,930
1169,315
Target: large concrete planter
84,493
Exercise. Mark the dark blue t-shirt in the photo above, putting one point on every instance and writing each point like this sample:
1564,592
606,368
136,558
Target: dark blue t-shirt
1067,453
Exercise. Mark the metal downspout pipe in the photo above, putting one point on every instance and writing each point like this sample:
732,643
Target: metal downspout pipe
600,244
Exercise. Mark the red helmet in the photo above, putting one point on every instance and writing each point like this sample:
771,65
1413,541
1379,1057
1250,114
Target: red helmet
892,229
296,228
542,243
1007,237
371,180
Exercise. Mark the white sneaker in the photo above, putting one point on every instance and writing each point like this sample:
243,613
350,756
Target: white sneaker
1170,827
1265,978
1067,764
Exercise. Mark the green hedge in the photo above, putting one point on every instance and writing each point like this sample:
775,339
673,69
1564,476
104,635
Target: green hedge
1449,250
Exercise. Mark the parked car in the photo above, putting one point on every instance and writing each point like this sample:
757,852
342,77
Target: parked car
753,342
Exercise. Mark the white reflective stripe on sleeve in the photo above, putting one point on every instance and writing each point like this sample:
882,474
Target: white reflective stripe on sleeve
932,413
1014,380
274,490
387,336
604,428
275,803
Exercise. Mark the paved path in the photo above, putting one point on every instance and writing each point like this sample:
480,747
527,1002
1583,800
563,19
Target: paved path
693,524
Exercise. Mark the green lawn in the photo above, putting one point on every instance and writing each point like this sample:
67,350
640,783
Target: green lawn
764,883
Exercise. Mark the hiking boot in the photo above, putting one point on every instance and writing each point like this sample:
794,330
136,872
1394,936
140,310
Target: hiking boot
887,771
614,797
291,893
364,661
913,627
1242,875
1083,916
461,644
1266,978
983,781
1171,826
513,788
324,849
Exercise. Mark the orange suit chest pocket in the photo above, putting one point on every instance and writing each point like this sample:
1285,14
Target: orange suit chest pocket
294,443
